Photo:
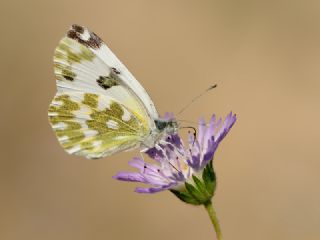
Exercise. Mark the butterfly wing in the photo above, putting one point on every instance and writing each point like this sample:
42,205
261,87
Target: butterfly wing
93,125
83,62
100,108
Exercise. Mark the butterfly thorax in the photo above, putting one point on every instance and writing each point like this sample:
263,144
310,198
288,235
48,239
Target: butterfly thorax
163,128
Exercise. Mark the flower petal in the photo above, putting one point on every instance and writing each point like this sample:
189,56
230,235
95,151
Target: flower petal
142,165
201,130
130,177
154,189
177,163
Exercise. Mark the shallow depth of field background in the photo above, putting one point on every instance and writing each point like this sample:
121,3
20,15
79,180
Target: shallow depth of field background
265,57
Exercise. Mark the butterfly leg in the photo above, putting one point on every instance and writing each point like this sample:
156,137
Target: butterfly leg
145,166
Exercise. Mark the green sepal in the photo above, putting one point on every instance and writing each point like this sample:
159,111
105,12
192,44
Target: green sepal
196,193
209,178
200,190
185,197
201,187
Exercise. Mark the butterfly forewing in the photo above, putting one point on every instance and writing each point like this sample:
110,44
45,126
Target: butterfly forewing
84,63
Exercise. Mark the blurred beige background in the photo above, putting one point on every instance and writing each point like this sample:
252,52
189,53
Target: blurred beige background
265,57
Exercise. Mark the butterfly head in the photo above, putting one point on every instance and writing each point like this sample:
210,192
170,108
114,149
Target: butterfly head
168,126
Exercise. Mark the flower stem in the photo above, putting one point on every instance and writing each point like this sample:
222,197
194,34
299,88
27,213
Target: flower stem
214,219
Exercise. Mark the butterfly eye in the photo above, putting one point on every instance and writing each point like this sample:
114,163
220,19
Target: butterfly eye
160,124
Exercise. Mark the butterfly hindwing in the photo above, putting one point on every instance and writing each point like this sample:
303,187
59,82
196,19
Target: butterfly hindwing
93,125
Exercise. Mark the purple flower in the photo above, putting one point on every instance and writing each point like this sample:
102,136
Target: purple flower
185,169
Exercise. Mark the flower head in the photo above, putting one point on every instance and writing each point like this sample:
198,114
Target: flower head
185,169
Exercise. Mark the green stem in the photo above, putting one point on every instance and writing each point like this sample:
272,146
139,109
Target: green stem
214,219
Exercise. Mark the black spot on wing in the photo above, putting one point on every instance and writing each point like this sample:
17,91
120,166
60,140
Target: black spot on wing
108,82
116,71
68,77
78,28
76,32
68,74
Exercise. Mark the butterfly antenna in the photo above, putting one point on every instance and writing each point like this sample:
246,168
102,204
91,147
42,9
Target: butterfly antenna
197,97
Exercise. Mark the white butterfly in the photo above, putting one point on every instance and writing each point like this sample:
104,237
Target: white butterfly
100,108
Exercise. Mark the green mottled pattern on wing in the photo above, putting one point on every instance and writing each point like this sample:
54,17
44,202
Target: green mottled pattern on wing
65,56
86,126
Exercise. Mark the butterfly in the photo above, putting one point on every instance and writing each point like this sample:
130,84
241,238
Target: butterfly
100,108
